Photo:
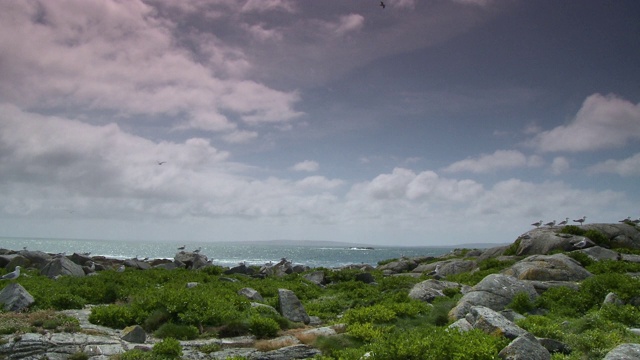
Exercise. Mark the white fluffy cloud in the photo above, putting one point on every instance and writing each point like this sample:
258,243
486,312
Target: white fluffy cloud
500,159
121,58
307,165
602,122
560,165
626,167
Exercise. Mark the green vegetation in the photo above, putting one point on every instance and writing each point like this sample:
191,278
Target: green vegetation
593,235
380,319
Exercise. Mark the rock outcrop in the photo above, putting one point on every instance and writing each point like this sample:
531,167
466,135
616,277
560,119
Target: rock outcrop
14,297
291,308
558,267
61,266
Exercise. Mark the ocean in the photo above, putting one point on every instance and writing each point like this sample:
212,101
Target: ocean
326,254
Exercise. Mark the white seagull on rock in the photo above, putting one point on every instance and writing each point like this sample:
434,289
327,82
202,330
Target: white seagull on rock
550,224
12,275
563,222
537,224
580,220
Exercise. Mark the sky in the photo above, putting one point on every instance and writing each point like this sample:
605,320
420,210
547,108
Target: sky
424,123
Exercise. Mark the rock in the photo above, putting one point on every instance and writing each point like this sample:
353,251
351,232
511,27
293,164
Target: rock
299,351
250,294
598,253
171,265
620,235
554,346
365,277
612,298
191,260
264,306
15,298
137,264
316,277
240,269
61,266
280,269
524,347
624,352
18,261
398,266
80,259
461,325
291,308
192,284
298,269
447,267
558,267
134,334
542,286
495,291
492,253
493,323
543,241
430,289
37,259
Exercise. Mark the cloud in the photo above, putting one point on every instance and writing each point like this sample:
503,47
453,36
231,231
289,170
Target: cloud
268,5
239,137
602,122
307,165
348,23
626,167
559,165
121,58
500,159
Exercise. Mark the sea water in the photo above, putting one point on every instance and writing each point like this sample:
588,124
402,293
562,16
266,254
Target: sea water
226,254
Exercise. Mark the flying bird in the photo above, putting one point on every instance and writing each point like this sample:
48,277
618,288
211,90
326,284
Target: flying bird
161,162
382,4
563,222
537,224
580,220
12,275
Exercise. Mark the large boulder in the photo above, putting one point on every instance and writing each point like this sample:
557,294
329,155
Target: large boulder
191,260
624,352
317,277
250,294
446,267
137,264
398,266
36,259
557,267
544,241
291,308
430,289
494,323
495,292
525,347
14,297
619,235
61,266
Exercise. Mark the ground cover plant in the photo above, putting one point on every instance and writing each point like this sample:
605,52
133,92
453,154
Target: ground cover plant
379,318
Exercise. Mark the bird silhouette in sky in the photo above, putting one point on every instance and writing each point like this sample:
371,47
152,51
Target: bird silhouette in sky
382,4
161,162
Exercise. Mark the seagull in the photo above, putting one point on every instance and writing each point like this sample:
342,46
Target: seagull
161,162
628,219
537,224
435,272
580,220
12,275
182,247
197,250
121,268
563,222
580,244
636,221
382,4
550,224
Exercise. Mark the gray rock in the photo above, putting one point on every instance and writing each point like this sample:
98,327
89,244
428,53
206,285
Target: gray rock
542,286
461,325
80,259
492,322
191,260
170,265
624,352
192,284
554,346
612,298
365,277
284,267
264,306
398,266
240,269
62,266
291,308
446,267
37,259
250,294
430,289
495,291
134,334
543,241
599,253
299,351
316,277
492,253
15,298
525,347
558,267
137,264
620,235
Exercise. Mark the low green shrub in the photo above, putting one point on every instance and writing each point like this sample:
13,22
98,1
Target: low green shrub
370,314
67,301
114,316
439,314
263,327
521,303
572,230
177,331
79,356
628,315
612,266
168,348
513,248
367,332
598,238
542,326
156,319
